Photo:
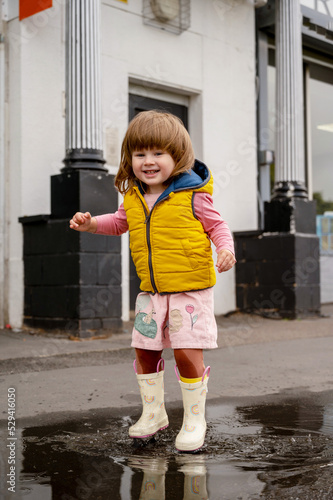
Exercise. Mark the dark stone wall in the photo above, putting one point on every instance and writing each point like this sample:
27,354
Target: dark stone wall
72,280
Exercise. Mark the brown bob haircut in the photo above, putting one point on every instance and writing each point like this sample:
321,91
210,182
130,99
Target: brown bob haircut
154,129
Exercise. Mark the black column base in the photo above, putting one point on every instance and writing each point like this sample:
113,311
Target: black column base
290,216
82,159
82,190
278,274
289,189
73,280
277,270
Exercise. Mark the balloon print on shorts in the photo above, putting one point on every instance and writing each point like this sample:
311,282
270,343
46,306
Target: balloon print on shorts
190,309
175,321
144,322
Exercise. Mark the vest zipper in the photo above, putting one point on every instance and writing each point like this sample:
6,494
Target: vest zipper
150,264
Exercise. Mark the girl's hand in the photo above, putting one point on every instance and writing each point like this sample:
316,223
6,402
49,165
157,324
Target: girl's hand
83,222
225,260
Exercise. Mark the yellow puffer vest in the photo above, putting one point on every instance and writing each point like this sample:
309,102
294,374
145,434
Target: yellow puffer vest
170,249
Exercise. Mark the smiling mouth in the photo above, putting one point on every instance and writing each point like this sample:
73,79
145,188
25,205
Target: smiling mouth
150,171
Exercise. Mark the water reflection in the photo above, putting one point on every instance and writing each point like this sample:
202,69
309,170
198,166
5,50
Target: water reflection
154,476
153,481
278,446
194,470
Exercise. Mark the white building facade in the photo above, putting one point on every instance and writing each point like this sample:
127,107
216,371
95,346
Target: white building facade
208,68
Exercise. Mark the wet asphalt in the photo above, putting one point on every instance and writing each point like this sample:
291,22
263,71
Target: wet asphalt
269,414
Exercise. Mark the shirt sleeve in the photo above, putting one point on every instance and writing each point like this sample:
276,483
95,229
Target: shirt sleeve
212,222
112,224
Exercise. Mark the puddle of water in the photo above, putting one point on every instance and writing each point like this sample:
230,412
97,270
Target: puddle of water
281,447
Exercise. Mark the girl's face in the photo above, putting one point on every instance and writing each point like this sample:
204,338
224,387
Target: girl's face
153,167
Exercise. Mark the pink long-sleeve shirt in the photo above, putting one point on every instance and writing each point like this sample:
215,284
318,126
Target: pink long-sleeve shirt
212,222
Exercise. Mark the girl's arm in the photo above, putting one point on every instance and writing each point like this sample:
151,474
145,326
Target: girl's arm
112,224
109,224
217,230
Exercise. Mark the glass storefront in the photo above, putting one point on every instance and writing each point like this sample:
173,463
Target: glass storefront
320,101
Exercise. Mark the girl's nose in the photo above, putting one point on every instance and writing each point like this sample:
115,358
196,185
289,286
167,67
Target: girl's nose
149,159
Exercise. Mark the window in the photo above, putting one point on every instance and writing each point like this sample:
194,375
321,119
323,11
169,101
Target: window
325,233
320,100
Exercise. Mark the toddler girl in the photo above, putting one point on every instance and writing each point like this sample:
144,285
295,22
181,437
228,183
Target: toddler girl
168,210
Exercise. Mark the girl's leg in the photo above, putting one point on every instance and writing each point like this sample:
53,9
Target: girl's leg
146,360
190,362
150,375
193,385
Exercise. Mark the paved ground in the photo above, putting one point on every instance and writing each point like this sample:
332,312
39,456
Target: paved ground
53,374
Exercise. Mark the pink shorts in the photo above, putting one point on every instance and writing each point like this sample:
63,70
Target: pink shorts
177,320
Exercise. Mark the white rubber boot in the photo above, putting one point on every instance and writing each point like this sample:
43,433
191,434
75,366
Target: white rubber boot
154,417
193,431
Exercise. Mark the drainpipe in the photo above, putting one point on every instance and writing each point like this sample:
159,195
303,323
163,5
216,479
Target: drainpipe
2,179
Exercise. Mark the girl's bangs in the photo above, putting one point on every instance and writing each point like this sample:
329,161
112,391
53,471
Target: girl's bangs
156,133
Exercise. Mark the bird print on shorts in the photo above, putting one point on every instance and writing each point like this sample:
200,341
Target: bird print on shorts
144,322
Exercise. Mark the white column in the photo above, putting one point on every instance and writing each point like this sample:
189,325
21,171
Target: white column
83,86
289,165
